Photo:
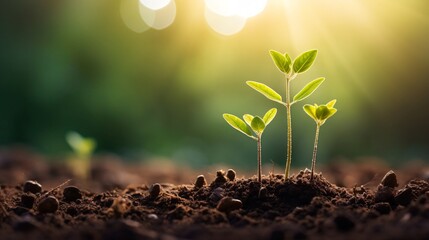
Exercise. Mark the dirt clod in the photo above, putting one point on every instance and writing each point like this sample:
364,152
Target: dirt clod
71,194
231,174
155,190
262,193
200,182
228,204
404,196
32,186
382,207
27,200
344,223
384,194
48,205
389,180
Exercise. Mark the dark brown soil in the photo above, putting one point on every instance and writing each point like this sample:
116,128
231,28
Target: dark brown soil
225,207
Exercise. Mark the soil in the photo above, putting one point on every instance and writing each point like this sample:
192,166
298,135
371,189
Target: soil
38,202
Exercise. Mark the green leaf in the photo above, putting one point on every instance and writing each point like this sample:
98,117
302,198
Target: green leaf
308,89
248,119
288,60
280,61
311,111
269,116
80,145
266,91
238,124
331,103
304,61
258,125
331,113
322,112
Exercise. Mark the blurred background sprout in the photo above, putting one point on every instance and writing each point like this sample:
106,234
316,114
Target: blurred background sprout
83,149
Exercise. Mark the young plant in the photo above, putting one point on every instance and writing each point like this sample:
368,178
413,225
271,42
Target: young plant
290,70
83,149
319,114
255,124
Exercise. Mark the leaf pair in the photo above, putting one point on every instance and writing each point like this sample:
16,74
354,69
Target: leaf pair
321,113
255,123
80,145
301,64
269,93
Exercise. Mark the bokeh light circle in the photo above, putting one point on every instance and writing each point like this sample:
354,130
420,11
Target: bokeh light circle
225,25
131,17
242,8
158,19
155,4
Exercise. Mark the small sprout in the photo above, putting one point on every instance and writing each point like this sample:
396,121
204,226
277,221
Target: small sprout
231,175
83,149
319,114
290,69
255,124
228,204
200,182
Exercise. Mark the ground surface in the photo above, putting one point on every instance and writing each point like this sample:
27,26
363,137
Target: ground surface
114,203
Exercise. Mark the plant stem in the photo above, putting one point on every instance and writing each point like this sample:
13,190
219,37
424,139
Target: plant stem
289,128
313,161
259,159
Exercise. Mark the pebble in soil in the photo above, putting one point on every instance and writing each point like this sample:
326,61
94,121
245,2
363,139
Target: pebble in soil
48,204
32,187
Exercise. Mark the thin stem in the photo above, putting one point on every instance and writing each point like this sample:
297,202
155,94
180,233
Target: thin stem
313,161
259,159
289,128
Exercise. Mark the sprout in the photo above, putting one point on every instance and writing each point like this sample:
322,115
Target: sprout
83,149
256,125
319,114
290,70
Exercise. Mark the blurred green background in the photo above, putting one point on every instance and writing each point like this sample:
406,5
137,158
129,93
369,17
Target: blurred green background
76,65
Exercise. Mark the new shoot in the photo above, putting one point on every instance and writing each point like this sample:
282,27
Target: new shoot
319,114
83,149
253,127
290,69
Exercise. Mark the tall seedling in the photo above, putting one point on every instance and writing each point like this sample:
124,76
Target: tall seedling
290,70
255,124
319,114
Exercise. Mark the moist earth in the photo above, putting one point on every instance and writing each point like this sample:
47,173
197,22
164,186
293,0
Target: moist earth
227,207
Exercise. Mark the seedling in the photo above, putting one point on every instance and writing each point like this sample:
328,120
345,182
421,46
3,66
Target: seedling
290,70
319,114
83,148
255,124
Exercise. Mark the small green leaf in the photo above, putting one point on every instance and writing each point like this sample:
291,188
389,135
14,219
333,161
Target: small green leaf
280,61
248,119
331,103
258,125
322,112
269,116
288,60
308,89
266,91
331,113
304,61
80,145
311,111
238,124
